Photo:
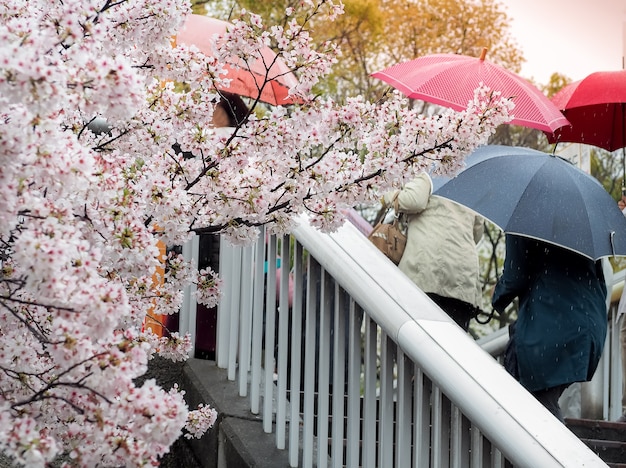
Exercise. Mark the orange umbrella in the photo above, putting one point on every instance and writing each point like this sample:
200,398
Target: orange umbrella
450,80
155,321
267,78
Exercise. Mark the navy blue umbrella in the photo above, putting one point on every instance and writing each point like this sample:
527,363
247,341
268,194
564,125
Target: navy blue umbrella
541,196
479,154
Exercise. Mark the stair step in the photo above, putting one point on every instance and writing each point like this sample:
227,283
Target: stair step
608,450
597,430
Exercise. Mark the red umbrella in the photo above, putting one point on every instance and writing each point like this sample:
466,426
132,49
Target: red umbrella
268,72
596,109
450,80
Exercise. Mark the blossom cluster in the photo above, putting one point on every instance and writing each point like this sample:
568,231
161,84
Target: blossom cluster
199,421
85,210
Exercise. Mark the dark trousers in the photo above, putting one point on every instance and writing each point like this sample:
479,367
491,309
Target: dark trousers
550,399
459,311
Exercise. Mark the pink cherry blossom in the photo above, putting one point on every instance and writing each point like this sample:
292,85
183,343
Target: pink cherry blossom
94,99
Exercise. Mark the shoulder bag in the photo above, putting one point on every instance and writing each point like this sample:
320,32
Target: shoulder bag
390,238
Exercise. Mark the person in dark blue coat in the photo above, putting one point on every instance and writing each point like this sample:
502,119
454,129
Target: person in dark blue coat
561,326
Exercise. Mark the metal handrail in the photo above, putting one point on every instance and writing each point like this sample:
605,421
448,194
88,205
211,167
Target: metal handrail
512,419
418,352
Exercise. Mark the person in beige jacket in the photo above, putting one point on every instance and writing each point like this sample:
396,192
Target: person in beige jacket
440,256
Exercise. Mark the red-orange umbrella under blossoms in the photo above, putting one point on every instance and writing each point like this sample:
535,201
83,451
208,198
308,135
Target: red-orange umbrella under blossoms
450,80
267,78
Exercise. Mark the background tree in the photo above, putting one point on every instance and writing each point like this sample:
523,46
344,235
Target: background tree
607,167
556,82
374,34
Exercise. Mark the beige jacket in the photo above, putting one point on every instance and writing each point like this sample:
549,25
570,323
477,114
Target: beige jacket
440,255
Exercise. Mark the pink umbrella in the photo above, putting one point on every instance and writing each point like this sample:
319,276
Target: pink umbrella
267,77
450,80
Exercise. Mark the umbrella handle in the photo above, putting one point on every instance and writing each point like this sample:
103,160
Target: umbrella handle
612,239
489,315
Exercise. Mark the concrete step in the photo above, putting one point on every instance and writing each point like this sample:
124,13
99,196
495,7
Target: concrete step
593,429
237,440
606,438
608,450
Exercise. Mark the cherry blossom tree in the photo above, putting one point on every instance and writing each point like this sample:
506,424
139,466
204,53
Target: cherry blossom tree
82,212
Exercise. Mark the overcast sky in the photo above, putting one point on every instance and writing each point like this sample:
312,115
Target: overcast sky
572,37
